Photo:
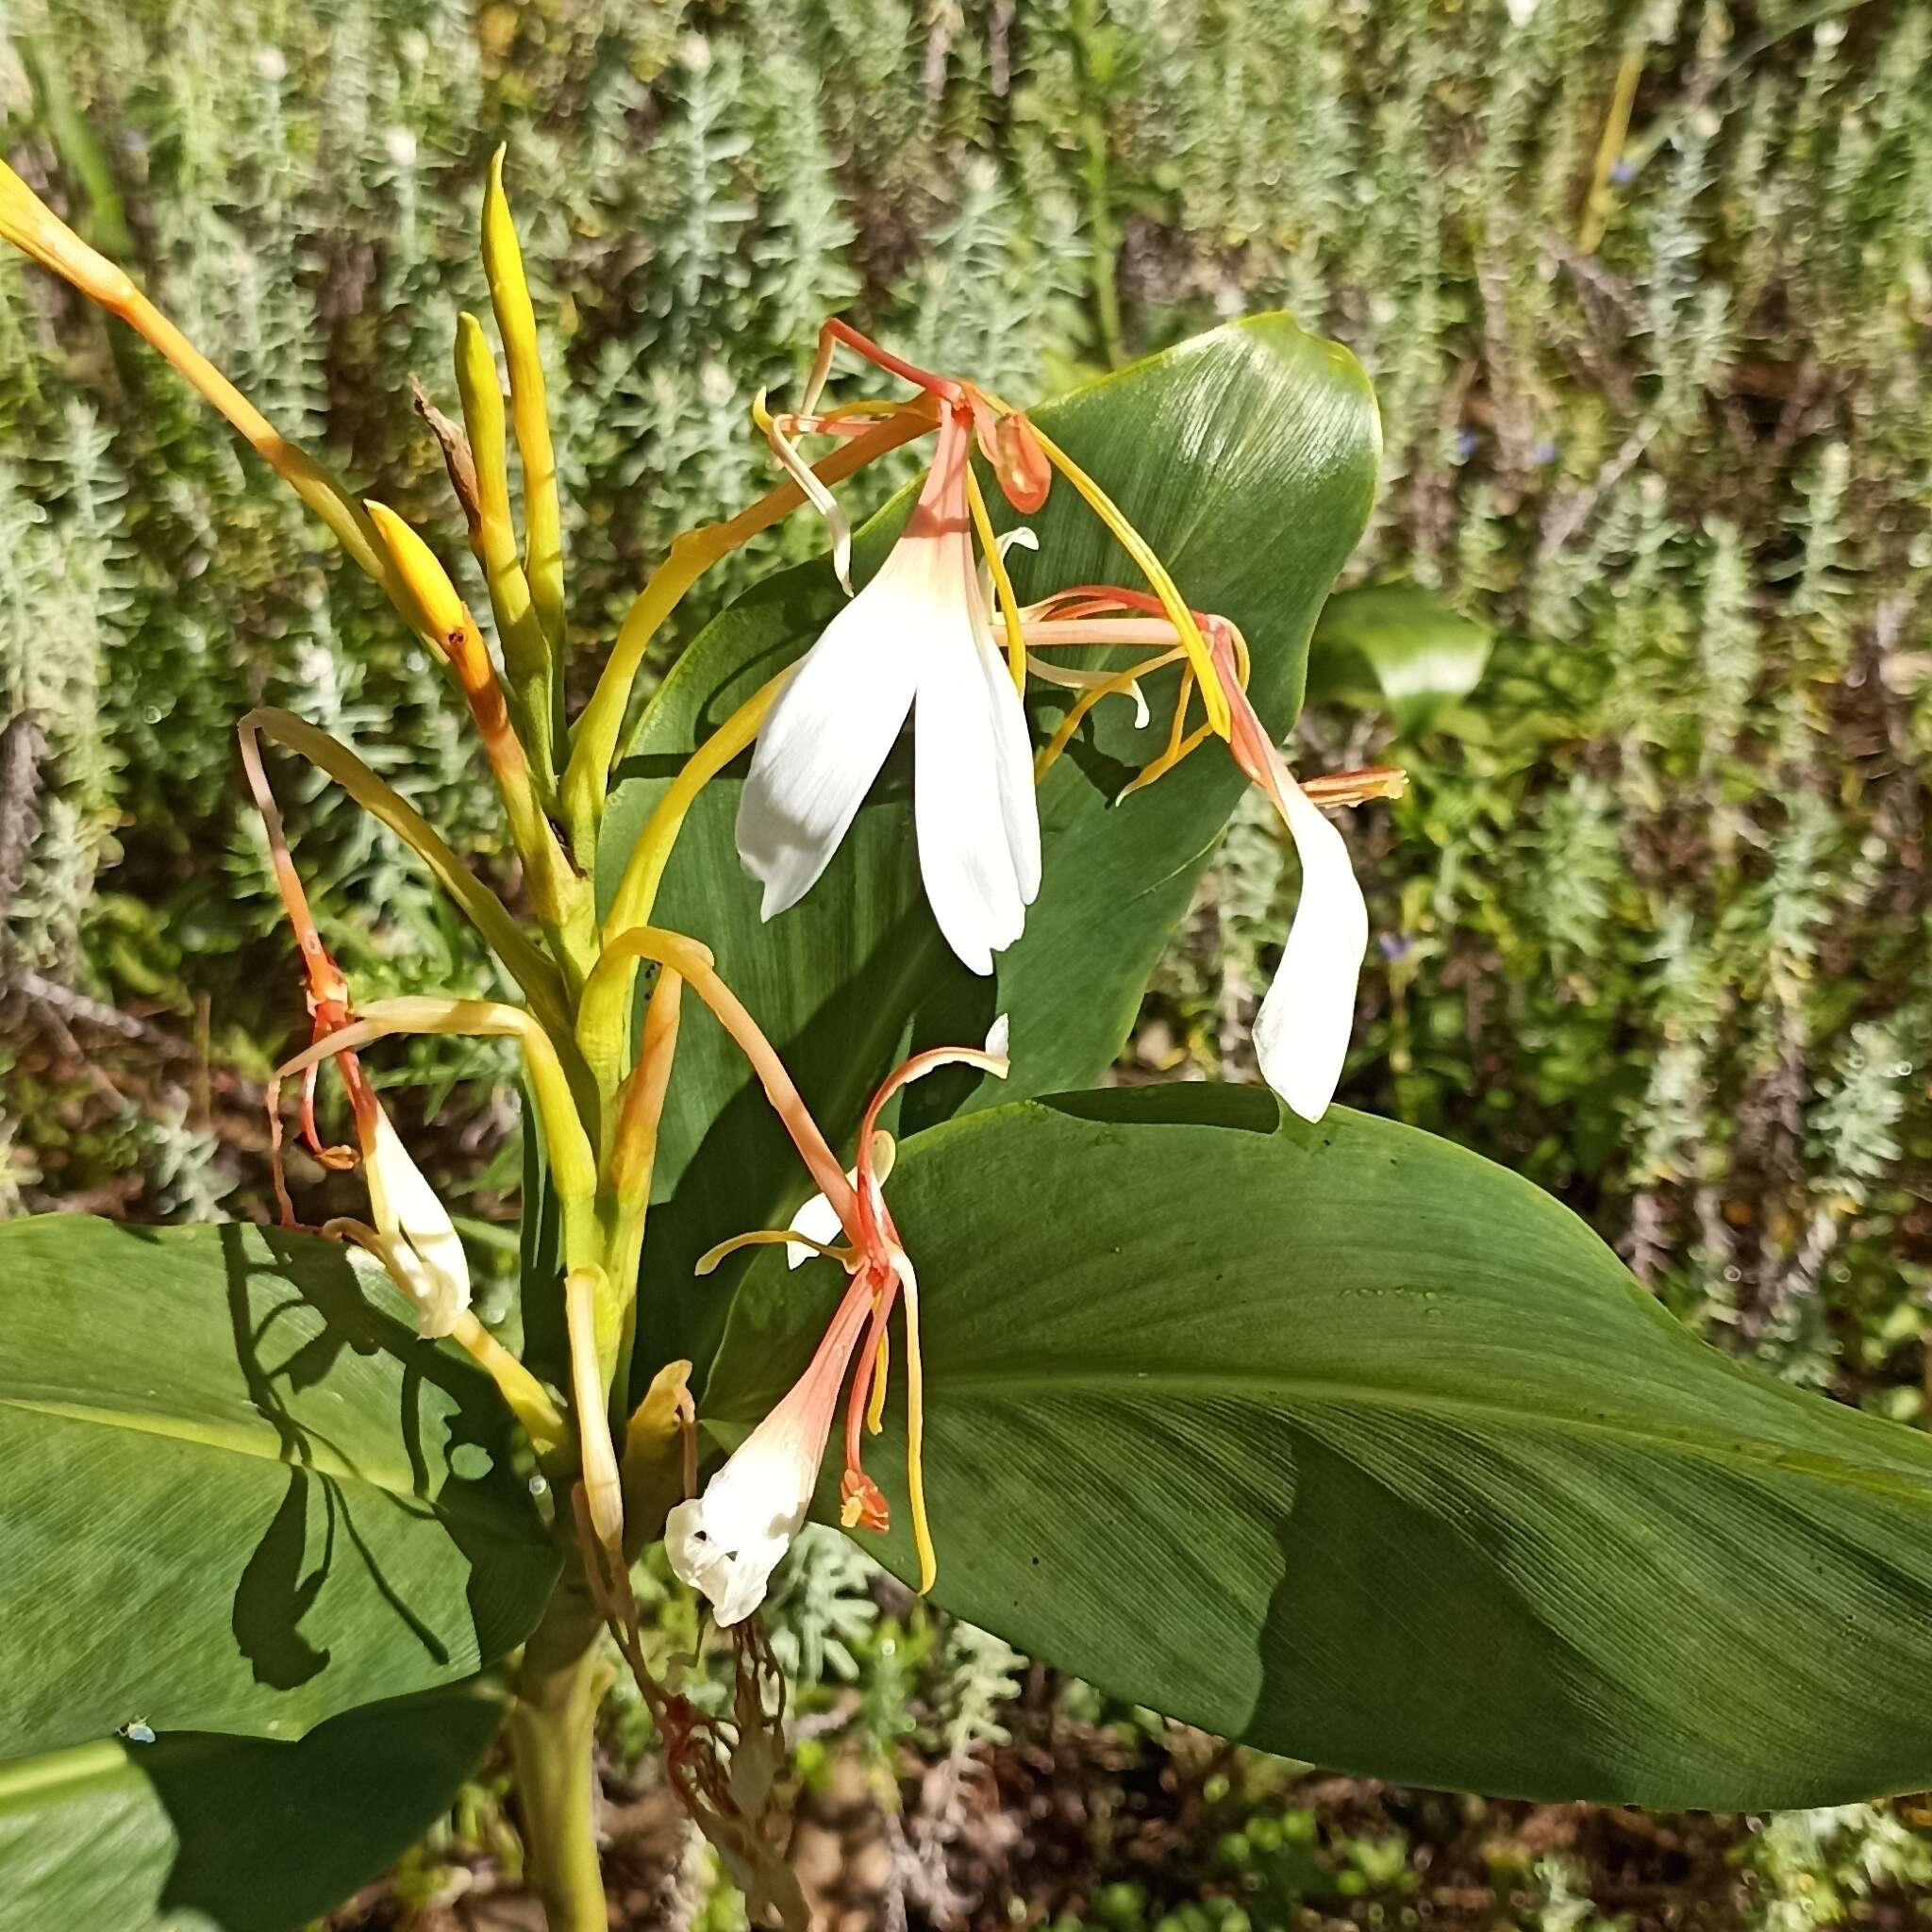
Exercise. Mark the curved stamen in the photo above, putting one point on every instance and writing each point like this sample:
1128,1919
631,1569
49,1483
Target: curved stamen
768,1238
1121,683
779,431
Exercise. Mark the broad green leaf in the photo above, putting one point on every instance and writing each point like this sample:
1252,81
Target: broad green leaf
1402,642
1247,457
237,1493
197,1832
1342,1440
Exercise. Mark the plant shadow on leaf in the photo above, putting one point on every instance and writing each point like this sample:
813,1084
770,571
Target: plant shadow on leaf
313,1507
274,1595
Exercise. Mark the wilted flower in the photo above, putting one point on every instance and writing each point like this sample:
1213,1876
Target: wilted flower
414,1236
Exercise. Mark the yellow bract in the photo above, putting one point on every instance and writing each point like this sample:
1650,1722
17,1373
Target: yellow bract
441,610
34,228
516,323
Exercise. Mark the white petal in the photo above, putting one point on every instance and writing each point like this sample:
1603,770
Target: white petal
819,1219
734,1576
1012,748
999,1034
959,806
1013,758
728,1541
973,792
829,733
420,1245
1301,1033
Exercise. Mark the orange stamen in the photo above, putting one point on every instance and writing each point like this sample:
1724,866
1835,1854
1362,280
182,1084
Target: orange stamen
1340,789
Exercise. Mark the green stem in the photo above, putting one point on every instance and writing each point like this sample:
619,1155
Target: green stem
552,1724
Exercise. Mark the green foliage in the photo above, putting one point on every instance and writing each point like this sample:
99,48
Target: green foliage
345,1516
1312,1373
1654,912
1395,647
237,1832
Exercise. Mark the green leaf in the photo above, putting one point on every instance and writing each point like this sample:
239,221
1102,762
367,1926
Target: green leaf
237,1493
1247,457
1401,642
197,1832
1342,1440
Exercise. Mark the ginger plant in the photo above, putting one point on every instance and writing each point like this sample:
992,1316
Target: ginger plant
1328,1379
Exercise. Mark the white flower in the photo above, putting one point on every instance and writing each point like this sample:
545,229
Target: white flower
728,1541
915,639
1301,1033
413,1237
